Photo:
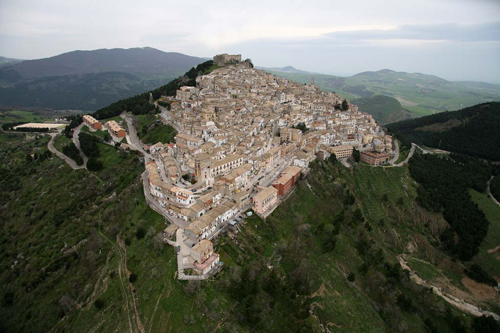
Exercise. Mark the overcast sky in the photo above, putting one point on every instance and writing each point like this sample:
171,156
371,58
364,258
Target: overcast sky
454,39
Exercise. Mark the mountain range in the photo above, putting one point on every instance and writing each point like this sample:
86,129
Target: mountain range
89,80
418,94
5,61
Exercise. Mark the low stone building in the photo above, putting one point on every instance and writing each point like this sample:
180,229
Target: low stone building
205,259
374,158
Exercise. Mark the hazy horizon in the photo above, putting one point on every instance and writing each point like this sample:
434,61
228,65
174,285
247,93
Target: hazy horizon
454,40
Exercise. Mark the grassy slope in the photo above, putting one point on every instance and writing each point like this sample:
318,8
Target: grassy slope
100,134
21,116
488,260
151,130
385,110
288,239
60,141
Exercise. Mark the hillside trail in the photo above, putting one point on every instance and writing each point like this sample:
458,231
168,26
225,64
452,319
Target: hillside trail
455,301
139,324
120,273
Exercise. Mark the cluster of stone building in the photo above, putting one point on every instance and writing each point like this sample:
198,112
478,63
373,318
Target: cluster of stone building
240,144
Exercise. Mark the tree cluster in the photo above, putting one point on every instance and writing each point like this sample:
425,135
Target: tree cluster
140,104
74,122
472,131
444,184
72,152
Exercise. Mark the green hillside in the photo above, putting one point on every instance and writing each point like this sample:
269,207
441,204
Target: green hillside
326,258
89,80
472,131
421,94
384,109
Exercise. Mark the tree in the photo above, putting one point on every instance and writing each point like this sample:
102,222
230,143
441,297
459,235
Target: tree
351,277
385,198
302,126
140,233
356,154
107,137
93,164
332,159
485,324
132,278
357,215
99,303
345,105
349,198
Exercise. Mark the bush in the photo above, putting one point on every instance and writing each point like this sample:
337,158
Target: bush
94,164
8,298
140,233
99,303
477,273
485,324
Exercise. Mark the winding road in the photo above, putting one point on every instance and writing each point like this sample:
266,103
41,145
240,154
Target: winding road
65,158
76,141
489,192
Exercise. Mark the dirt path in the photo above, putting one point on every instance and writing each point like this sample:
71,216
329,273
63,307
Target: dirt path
457,302
140,327
310,187
120,273
151,320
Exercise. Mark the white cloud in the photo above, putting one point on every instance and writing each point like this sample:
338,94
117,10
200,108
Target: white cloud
275,29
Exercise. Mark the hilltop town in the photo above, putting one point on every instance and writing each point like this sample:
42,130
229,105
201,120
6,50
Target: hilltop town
244,138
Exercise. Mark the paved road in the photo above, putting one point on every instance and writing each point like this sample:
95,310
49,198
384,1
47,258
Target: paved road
134,139
76,141
489,192
65,158
396,154
410,155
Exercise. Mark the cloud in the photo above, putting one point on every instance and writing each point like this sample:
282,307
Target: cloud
445,32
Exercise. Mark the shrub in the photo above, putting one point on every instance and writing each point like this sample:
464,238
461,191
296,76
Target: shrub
140,233
477,273
99,303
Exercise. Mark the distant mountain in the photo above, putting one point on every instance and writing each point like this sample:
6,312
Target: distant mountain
473,131
421,94
286,69
89,80
384,109
5,61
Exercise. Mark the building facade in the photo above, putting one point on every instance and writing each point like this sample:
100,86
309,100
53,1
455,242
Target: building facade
265,199
92,122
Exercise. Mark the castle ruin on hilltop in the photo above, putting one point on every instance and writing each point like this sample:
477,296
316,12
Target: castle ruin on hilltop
223,59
